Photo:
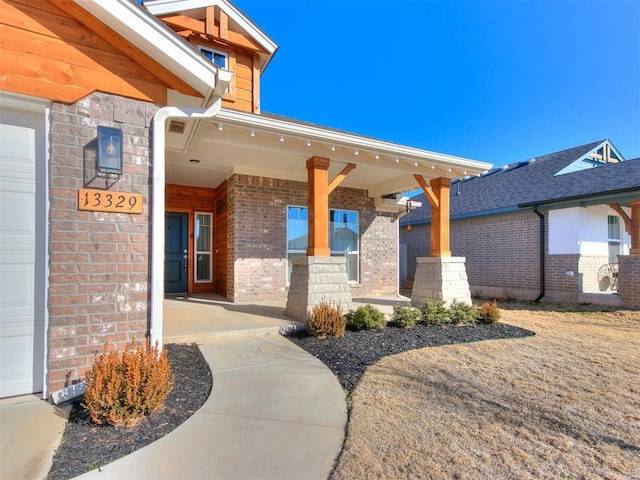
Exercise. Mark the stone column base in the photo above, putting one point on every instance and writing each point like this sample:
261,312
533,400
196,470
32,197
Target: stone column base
317,279
442,279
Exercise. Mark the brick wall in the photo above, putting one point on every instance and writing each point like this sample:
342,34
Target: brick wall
98,261
257,238
502,252
629,280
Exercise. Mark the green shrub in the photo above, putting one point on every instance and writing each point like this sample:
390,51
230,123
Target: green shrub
488,312
121,390
434,312
460,312
326,320
404,316
365,317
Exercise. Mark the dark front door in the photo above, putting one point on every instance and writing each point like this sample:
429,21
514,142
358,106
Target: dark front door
175,253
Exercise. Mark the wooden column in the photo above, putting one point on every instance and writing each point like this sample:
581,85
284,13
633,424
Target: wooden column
438,195
318,191
635,227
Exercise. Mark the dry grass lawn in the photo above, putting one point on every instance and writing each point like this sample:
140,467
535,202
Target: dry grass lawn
563,404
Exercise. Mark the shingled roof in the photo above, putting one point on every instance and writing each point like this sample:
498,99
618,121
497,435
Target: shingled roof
535,182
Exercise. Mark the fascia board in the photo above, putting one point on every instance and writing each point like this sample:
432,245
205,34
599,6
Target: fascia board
346,139
164,7
152,37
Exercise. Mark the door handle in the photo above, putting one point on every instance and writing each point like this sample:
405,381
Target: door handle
185,262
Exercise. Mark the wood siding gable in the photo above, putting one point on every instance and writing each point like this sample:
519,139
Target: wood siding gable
56,50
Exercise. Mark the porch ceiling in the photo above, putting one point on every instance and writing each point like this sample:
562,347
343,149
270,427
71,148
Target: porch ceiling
255,145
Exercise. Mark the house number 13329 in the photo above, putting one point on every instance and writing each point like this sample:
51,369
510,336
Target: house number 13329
106,201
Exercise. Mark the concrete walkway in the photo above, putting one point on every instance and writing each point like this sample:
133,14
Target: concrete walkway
275,412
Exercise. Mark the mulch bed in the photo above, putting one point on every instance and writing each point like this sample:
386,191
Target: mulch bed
349,355
86,445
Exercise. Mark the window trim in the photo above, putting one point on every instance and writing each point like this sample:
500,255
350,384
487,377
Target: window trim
230,63
612,241
195,247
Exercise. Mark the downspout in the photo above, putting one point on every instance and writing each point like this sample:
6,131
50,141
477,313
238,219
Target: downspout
159,124
542,262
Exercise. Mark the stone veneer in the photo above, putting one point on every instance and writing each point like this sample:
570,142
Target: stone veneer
315,280
440,278
99,262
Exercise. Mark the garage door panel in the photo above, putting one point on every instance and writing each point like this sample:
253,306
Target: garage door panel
21,316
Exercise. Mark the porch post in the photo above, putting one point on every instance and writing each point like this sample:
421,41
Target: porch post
439,276
635,227
318,192
440,218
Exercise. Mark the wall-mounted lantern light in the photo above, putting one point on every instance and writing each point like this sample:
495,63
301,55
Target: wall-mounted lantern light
109,154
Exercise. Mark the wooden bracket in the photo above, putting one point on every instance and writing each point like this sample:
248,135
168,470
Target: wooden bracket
427,190
625,218
340,177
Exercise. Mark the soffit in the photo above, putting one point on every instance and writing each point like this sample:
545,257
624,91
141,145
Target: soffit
254,149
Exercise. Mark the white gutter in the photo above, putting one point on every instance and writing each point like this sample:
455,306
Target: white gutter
344,139
159,125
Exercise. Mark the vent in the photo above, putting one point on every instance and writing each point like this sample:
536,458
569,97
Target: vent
176,126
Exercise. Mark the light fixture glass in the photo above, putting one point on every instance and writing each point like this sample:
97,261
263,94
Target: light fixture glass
220,127
253,133
415,164
397,160
433,167
282,138
377,157
357,153
308,143
333,148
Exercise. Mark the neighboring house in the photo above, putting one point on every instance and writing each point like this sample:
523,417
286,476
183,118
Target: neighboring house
552,227
191,188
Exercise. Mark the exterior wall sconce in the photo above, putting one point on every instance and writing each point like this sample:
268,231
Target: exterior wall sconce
109,152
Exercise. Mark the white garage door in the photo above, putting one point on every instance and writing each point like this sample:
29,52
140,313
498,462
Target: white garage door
21,252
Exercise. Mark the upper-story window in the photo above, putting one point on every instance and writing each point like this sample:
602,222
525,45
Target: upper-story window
221,59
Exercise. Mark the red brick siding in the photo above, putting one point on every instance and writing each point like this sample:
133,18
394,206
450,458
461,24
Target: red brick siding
629,280
98,261
257,238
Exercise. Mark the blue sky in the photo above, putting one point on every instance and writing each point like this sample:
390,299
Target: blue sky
497,81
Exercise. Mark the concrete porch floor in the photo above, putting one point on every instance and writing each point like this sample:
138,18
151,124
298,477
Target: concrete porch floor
205,317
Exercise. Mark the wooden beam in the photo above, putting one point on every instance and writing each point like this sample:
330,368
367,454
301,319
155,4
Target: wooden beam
635,227
185,23
224,25
210,21
317,188
341,176
625,218
255,88
440,218
427,190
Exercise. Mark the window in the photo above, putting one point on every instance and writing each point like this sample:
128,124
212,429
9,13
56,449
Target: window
614,238
220,59
203,247
344,237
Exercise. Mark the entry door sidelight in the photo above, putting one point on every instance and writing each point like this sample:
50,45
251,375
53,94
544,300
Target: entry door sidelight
176,261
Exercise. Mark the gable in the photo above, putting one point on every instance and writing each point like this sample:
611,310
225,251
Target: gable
48,53
603,154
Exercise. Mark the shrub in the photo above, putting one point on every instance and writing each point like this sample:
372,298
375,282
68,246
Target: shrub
326,320
404,316
488,312
367,317
460,312
121,390
434,312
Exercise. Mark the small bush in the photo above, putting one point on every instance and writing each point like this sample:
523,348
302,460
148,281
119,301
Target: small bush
326,320
460,312
488,312
367,317
434,312
121,390
404,316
